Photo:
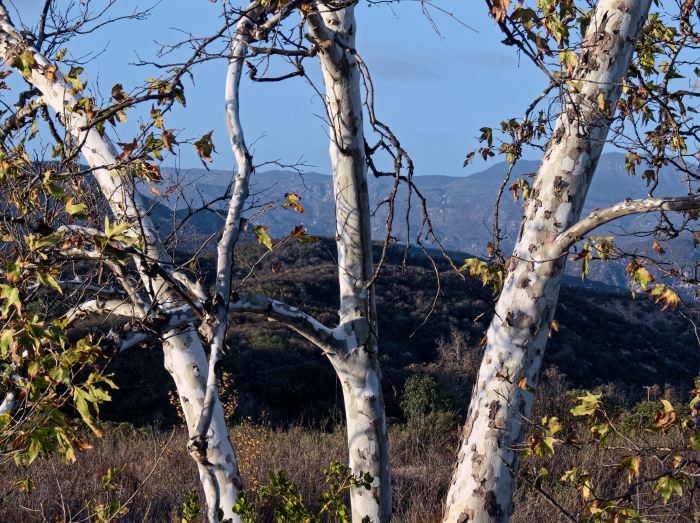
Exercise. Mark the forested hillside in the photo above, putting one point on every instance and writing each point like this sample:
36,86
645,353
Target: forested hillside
606,336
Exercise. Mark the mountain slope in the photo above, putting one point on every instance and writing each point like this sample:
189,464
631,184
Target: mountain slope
604,336
461,209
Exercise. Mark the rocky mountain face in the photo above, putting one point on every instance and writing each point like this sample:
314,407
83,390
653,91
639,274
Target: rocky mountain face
461,208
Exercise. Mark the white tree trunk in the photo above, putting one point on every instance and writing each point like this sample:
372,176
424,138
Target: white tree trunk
368,438
184,352
358,366
483,481
186,362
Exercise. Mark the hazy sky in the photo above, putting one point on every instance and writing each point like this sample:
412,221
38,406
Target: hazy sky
435,90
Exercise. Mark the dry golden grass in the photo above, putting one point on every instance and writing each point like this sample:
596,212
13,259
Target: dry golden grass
157,474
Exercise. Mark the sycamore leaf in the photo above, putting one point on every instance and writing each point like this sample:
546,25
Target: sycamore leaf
24,63
75,208
568,61
150,171
25,485
292,202
570,475
522,384
583,254
553,327
45,242
112,231
46,279
73,77
299,232
118,93
157,117
80,400
127,149
10,297
499,10
7,340
666,486
666,297
168,139
585,487
666,416
205,147
588,403
639,274
631,464
13,270
516,190
601,102
262,236
694,439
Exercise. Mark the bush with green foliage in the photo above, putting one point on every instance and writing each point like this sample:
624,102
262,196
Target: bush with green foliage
646,461
289,506
421,397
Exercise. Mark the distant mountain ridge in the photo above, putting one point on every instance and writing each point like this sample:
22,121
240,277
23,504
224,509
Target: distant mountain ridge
461,208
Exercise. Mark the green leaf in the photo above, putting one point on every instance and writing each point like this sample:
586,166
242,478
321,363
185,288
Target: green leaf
666,486
10,295
631,464
299,232
25,485
24,63
694,437
6,339
75,208
45,242
486,135
262,236
114,230
14,271
73,77
108,478
292,202
588,403
46,279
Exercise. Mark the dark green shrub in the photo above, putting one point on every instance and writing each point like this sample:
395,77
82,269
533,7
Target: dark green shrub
421,396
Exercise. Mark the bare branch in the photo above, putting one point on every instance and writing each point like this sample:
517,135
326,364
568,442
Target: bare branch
602,216
331,341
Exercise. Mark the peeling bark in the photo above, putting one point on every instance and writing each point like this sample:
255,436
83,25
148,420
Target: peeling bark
184,353
358,365
483,481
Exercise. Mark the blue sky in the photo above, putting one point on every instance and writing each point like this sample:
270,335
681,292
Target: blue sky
435,90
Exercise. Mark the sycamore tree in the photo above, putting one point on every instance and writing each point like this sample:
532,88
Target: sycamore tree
81,243
618,75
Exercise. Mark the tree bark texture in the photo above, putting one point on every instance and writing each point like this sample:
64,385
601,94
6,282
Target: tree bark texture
483,481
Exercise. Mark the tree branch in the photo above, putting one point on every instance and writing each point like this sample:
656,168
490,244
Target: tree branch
218,317
330,341
602,216
103,308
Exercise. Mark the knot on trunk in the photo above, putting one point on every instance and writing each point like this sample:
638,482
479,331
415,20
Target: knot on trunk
197,447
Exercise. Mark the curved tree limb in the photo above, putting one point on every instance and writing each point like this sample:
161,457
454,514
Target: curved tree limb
331,341
602,216
218,317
